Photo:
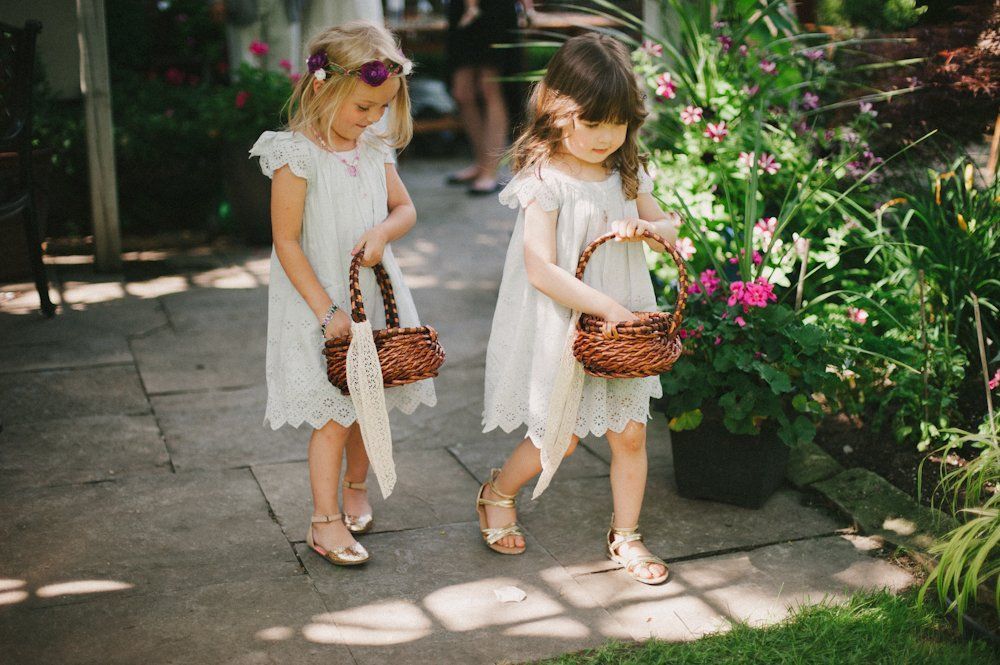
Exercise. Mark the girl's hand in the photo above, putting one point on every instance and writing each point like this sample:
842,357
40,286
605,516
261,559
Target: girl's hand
631,229
339,326
373,243
616,314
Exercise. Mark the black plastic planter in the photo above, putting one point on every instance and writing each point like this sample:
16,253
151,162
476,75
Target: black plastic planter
711,463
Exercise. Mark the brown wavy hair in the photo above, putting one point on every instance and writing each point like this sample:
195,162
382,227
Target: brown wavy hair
590,77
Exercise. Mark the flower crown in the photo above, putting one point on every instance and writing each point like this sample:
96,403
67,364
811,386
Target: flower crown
373,72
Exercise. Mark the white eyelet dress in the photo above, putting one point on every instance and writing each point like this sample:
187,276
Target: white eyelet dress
339,208
530,330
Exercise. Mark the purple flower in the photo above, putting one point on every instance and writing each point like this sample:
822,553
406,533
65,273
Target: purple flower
726,41
813,54
867,107
373,73
801,127
317,61
744,50
810,100
768,67
829,135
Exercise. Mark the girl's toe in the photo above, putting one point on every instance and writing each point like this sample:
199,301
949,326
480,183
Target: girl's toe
519,542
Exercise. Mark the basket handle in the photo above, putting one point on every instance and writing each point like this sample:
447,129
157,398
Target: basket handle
682,277
384,283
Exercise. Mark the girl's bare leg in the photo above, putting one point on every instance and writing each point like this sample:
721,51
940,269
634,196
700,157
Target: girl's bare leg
356,501
628,485
326,450
523,464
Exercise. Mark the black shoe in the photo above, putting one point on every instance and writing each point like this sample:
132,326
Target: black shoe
453,179
485,191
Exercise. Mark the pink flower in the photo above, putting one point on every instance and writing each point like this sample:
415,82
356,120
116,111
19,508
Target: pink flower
665,86
768,67
295,77
258,47
810,100
685,248
751,90
718,340
857,315
652,48
285,64
745,160
242,97
813,54
764,228
757,293
174,76
769,164
744,50
710,281
867,107
691,114
995,381
758,258
740,321
726,41
716,132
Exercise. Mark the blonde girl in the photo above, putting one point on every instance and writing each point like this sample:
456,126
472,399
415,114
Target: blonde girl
578,175
335,192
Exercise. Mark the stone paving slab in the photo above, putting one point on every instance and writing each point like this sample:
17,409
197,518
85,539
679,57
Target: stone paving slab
758,586
571,521
154,533
235,623
201,360
219,429
85,350
40,397
427,596
82,449
431,488
235,310
130,316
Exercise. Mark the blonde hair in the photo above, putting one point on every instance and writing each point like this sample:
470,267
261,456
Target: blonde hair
590,77
349,45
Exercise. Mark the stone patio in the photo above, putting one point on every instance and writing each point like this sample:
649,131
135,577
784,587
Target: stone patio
147,516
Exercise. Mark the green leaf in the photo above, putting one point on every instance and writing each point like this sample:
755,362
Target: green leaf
778,380
687,420
800,403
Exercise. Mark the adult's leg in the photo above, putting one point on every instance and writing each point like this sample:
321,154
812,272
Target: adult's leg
496,127
464,90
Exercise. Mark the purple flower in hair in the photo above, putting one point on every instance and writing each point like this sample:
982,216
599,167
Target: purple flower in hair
374,73
317,61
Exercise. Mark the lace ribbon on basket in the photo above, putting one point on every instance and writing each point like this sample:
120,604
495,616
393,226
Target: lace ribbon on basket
564,403
364,377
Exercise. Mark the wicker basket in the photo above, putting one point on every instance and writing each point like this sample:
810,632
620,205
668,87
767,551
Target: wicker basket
406,354
631,349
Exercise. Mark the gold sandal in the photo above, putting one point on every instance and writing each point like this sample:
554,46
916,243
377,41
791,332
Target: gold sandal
633,563
494,534
352,555
358,523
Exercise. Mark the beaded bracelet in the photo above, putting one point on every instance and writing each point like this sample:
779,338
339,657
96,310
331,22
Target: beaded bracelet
328,317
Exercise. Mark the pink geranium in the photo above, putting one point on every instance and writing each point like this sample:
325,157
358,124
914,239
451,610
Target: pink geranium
768,163
242,97
857,315
665,86
716,132
691,114
286,64
740,321
757,293
765,227
259,48
652,48
995,381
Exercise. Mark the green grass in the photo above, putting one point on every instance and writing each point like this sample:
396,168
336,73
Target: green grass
871,628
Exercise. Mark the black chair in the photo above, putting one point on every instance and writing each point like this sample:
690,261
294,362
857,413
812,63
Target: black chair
17,196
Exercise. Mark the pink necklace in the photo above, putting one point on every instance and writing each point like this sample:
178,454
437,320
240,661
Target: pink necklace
352,166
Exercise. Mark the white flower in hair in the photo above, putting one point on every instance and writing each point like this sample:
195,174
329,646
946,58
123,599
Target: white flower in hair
320,74
407,68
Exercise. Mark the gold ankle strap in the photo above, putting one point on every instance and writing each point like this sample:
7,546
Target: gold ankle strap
493,488
355,486
323,519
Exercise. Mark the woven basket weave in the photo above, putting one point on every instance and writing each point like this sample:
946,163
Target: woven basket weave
406,354
631,349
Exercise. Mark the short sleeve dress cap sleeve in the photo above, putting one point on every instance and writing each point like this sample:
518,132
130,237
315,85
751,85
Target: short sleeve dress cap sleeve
277,149
645,181
527,187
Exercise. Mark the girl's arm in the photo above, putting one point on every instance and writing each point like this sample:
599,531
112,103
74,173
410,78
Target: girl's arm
661,223
402,217
288,198
546,275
